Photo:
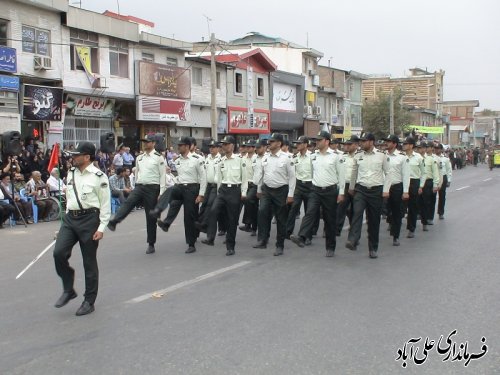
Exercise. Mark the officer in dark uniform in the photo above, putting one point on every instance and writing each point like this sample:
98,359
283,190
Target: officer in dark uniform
150,183
88,209
251,202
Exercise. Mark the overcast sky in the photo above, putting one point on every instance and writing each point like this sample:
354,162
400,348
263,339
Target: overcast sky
370,36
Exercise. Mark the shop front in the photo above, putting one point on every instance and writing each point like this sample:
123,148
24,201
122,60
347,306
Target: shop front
245,125
9,90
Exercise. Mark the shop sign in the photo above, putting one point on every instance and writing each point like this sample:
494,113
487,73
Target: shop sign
8,60
164,81
240,121
90,106
42,103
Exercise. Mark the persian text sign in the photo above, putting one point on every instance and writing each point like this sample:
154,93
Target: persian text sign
164,81
284,97
239,122
155,109
90,106
8,60
42,103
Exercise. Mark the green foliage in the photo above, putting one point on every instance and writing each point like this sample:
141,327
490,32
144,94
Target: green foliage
376,114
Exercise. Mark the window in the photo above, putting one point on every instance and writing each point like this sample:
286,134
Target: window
148,57
118,57
238,81
4,26
217,80
90,42
172,61
260,87
197,76
36,41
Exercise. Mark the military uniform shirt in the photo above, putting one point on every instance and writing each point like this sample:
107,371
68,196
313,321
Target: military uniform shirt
400,169
150,169
92,187
447,169
190,170
233,171
328,170
210,167
347,165
303,167
417,168
257,169
249,163
277,171
371,169
440,168
431,170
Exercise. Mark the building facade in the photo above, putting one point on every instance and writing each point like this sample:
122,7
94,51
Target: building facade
459,119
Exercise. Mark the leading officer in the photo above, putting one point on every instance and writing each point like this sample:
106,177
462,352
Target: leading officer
88,210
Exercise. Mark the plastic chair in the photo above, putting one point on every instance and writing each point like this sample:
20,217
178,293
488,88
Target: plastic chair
26,198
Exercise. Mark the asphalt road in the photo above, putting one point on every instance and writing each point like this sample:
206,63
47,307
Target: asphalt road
253,313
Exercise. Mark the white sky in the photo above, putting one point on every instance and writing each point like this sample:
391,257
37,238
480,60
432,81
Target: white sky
369,36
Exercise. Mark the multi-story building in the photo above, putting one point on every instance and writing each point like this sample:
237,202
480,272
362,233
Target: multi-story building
485,128
422,93
459,119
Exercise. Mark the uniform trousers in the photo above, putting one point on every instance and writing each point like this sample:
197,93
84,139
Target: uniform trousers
427,201
146,195
432,208
6,210
395,209
164,199
442,196
226,203
301,194
185,194
251,207
273,203
371,200
326,198
208,201
78,229
413,204
344,209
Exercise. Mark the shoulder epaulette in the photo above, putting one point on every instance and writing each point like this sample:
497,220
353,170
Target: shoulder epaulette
157,153
72,168
196,156
358,152
99,173
383,152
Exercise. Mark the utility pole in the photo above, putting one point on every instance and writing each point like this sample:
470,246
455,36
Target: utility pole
213,88
391,112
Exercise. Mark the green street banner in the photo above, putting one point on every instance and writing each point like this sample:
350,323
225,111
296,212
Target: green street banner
427,129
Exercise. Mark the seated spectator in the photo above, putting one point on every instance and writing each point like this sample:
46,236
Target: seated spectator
129,180
19,182
6,209
117,185
56,184
40,192
15,200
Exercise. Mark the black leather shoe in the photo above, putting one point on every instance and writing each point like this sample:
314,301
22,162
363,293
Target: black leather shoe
441,217
164,226
65,298
395,242
350,246
150,249
278,251
112,225
155,212
373,254
297,240
425,228
245,228
253,234
221,233
230,252
85,308
329,253
260,245
191,249
430,222
308,242
208,242
410,234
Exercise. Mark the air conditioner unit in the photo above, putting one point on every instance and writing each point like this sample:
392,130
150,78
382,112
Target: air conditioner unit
99,83
339,113
315,80
42,63
308,110
317,111
312,72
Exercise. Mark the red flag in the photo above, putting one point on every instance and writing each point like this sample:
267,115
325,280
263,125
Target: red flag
54,157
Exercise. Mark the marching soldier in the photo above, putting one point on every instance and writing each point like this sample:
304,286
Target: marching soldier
303,174
232,188
400,183
417,181
189,191
328,184
445,165
344,208
150,182
275,190
370,184
88,210
431,187
251,202
437,159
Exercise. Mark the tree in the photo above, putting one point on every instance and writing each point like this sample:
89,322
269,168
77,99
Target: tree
376,114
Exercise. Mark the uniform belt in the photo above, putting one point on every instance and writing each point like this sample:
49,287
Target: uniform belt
305,182
76,213
231,185
371,187
189,185
212,184
251,184
324,187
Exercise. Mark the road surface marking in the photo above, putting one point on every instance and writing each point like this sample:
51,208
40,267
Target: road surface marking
488,179
463,187
163,292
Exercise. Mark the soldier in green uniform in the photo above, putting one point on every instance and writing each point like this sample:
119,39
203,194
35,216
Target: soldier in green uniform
88,210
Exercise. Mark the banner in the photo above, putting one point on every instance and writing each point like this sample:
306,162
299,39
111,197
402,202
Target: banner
164,81
239,122
284,97
42,103
154,109
8,60
85,59
427,129
90,106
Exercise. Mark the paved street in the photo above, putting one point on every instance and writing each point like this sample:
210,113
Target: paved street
300,313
